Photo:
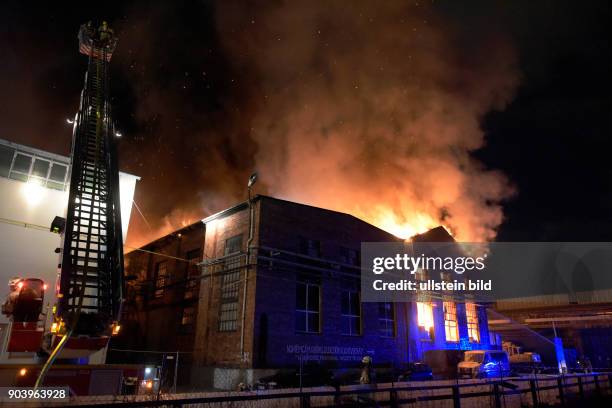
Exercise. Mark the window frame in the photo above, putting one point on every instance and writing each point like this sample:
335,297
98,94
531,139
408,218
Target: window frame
310,247
351,316
473,324
192,316
229,288
422,309
386,319
160,289
350,256
27,176
307,311
228,317
451,326
192,278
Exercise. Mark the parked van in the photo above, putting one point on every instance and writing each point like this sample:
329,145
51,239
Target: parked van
484,364
526,362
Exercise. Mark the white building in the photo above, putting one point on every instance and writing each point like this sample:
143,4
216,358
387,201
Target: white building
33,191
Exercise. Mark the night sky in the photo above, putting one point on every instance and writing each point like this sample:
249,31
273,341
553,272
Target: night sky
206,92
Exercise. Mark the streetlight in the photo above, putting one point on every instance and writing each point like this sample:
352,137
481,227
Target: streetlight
251,183
252,180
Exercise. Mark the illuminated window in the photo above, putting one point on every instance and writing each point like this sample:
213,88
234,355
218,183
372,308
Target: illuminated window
471,313
307,305
188,316
450,321
28,167
160,279
351,312
425,318
386,319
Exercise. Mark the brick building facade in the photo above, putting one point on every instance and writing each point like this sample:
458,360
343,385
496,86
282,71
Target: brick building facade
161,299
277,282
300,274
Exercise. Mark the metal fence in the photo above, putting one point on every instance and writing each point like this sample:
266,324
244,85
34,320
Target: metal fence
524,391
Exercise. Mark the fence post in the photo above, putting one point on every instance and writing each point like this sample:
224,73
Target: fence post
393,398
304,401
561,391
337,395
580,388
596,381
534,393
456,397
497,396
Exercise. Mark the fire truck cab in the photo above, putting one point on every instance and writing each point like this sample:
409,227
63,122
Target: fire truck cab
23,307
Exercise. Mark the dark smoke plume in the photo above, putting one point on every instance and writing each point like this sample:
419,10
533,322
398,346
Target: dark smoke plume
373,108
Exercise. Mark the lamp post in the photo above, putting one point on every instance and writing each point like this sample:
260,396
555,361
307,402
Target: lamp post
251,182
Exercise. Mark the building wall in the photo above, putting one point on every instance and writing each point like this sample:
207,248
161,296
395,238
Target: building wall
285,227
156,314
224,348
278,260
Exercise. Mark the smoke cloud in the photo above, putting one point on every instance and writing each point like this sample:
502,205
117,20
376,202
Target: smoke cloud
371,108
374,109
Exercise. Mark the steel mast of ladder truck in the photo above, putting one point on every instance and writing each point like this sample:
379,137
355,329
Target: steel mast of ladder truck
90,283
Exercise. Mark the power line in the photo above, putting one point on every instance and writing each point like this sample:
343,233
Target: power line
160,254
25,224
142,215
39,227
151,351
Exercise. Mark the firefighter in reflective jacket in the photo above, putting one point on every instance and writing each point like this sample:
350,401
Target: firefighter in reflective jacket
367,372
9,305
105,33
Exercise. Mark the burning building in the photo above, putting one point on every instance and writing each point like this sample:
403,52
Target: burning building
279,283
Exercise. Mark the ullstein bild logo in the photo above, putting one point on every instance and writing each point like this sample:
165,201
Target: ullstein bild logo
432,285
400,272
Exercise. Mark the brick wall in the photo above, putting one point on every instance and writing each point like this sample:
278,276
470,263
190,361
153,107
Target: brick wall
277,259
152,317
284,227
212,346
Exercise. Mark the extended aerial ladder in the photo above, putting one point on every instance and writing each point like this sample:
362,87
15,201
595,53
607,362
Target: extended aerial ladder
90,283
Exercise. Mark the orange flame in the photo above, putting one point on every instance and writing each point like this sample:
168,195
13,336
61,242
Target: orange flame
389,222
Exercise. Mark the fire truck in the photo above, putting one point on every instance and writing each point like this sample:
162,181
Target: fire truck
90,285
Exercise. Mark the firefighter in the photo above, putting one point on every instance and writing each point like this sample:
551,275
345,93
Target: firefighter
367,372
105,33
9,305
